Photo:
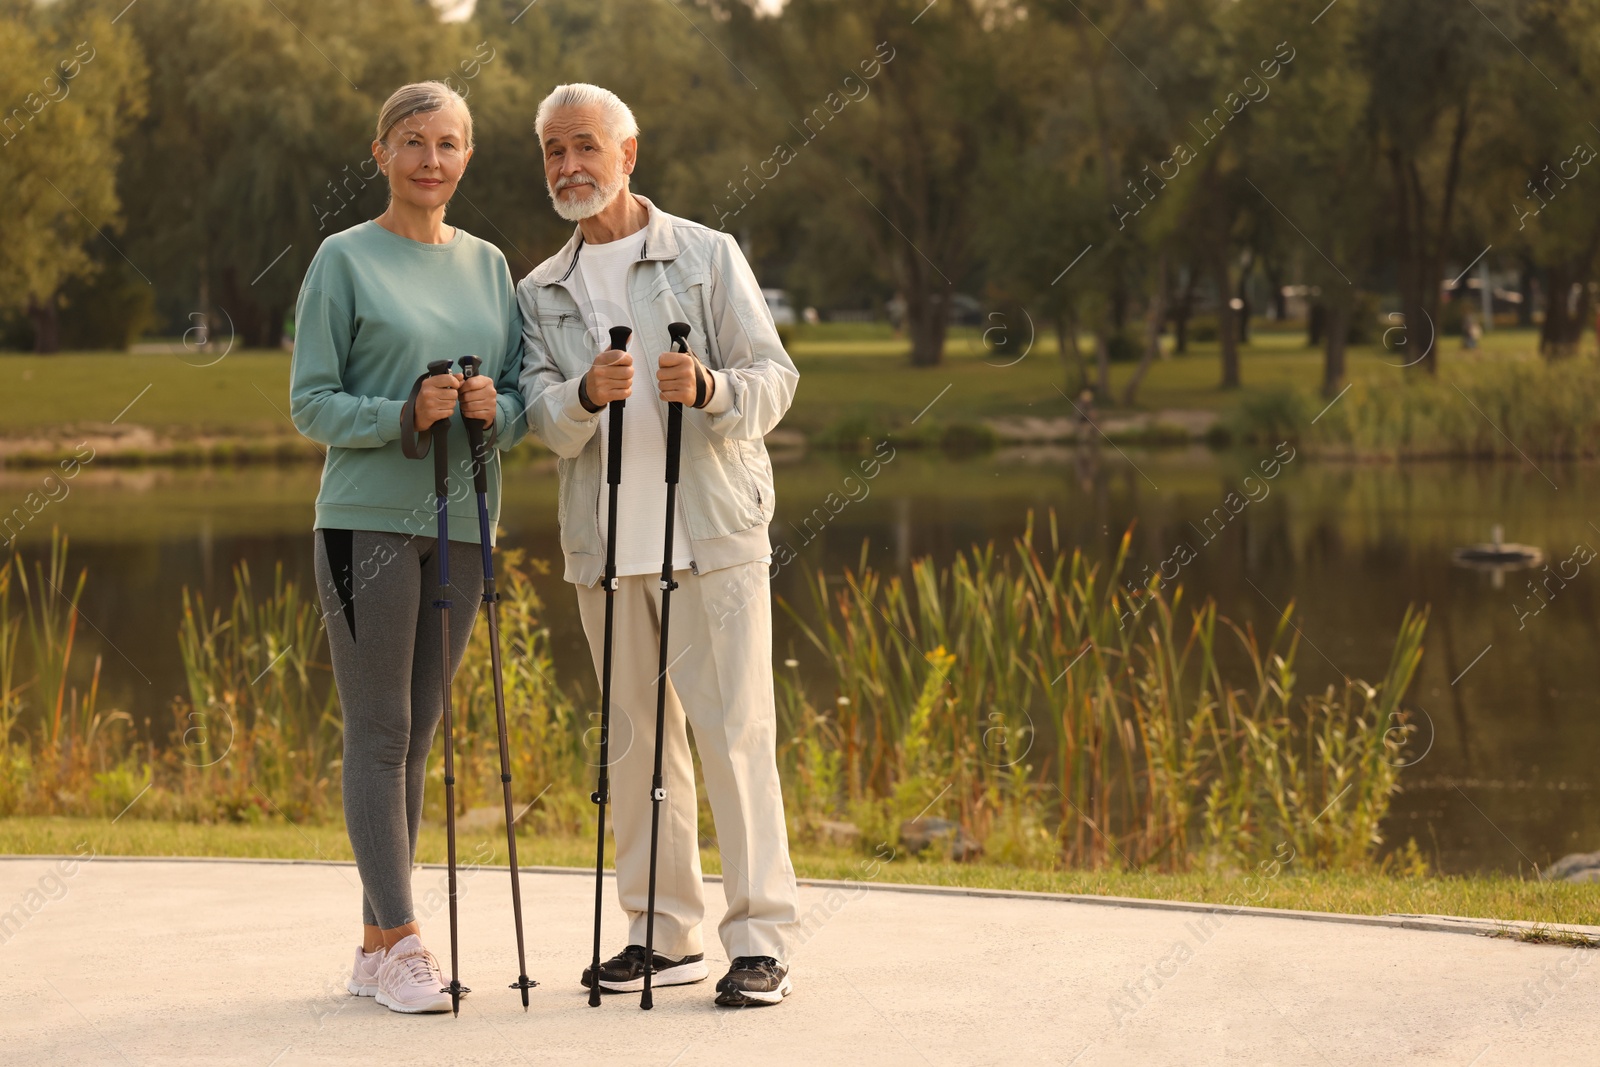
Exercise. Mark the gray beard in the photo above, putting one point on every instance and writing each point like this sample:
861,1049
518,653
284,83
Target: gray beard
602,195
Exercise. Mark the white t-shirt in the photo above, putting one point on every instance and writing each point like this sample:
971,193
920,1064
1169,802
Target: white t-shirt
642,495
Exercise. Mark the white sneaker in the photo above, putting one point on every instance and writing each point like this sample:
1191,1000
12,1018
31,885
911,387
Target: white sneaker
410,979
364,974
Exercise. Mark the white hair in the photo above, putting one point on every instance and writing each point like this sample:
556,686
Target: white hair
615,116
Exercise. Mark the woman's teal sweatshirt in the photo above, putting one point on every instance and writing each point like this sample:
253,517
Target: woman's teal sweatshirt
375,309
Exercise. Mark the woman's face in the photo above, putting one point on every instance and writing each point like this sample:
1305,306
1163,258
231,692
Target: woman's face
424,156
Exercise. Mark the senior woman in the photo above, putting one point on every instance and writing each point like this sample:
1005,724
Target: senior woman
380,301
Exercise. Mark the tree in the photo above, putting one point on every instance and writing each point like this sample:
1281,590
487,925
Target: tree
890,122
75,79
1430,70
1315,180
257,145
1532,164
692,108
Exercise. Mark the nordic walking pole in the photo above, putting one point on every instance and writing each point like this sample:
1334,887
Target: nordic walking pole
619,342
441,494
678,331
480,482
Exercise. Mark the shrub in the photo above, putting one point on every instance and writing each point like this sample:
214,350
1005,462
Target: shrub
112,310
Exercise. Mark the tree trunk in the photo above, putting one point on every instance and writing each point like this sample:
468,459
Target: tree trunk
1181,312
1409,271
1102,362
243,311
1565,313
927,327
1244,299
1525,286
1225,322
207,321
1155,318
1072,365
1421,244
1280,303
46,319
1569,300
1316,323
273,334
1336,332
927,311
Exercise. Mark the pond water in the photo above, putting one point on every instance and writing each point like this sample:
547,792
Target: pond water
1507,699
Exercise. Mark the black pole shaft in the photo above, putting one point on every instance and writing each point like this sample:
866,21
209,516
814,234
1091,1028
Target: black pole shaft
491,599
440,431
614,416
658,792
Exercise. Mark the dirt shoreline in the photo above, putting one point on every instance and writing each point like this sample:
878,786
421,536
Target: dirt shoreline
132,444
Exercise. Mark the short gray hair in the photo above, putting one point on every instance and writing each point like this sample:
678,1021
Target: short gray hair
615,116
419,97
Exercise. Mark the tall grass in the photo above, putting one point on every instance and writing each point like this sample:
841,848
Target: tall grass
1483,407
258,730
1063,720
549,758
1026,696
74,754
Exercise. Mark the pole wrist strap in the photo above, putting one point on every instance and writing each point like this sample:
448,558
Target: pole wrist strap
702,389
412,444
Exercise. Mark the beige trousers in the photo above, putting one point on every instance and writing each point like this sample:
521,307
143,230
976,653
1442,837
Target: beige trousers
719,672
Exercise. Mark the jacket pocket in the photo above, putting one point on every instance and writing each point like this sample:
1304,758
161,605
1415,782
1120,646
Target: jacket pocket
744,483
758,466
682,298
566,337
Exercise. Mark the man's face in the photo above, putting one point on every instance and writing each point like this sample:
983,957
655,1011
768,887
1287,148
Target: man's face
583,168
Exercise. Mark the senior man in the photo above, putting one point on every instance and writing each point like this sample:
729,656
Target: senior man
631,264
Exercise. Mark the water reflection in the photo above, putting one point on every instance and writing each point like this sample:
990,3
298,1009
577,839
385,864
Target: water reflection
1509,698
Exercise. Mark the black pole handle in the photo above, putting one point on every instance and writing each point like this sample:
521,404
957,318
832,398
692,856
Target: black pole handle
619,342
475,429
679,332
440,432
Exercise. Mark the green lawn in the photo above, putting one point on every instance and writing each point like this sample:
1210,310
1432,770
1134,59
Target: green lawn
858,376
1499,897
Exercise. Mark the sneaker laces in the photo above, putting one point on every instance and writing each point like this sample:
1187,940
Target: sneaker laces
636,954
419,966
764,965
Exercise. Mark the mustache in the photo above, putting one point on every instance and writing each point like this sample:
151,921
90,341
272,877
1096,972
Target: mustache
573,179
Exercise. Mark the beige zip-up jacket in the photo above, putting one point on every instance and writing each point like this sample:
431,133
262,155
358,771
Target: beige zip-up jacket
690,273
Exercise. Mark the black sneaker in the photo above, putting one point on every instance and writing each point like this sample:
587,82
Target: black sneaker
753,980
624,972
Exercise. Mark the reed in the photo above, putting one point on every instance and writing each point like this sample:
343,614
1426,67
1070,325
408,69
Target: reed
1028,695
1062,718
72,752
1483,407
550,760
258,731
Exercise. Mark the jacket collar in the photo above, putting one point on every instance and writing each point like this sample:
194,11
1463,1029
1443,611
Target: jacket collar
660,242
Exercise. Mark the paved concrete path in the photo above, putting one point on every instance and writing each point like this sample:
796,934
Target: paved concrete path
145,962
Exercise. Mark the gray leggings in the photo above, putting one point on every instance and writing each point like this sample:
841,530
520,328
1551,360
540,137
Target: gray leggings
377,592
